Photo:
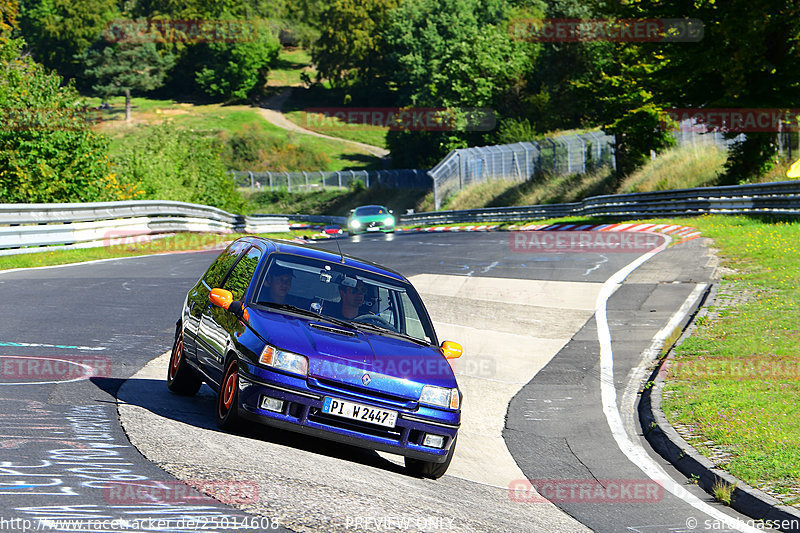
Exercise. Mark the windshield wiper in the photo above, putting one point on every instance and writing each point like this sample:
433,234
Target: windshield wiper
306,312
379,329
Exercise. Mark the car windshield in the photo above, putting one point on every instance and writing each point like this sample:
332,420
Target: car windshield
371,210
332,290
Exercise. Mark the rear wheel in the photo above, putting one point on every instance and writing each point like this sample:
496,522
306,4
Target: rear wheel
181,379
419,468
228,397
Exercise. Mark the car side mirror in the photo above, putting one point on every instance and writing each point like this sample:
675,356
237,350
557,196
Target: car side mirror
451,350
221,298
224,299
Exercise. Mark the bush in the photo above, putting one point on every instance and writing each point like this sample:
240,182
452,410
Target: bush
48,151
176,164
252,148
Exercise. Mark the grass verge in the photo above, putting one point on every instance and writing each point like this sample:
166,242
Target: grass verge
734,385
174,243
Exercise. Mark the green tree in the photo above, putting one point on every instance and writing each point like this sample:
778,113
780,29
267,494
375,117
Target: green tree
125,67
450,54
237,69
9,10
748,57
351,45
48,151
59,30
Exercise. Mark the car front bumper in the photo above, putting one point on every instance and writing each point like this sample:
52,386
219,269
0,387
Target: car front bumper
371,227
302,412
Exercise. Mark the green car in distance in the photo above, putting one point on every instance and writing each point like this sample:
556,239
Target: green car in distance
369,219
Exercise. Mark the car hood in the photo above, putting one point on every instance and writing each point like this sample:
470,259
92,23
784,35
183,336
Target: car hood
371,218
343,355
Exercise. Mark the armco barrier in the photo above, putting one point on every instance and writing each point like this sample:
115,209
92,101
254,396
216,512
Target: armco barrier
26,228
779,198
29,227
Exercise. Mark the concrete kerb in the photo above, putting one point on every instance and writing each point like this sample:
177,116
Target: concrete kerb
671,446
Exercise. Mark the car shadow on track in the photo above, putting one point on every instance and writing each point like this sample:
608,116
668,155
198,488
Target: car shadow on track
153,396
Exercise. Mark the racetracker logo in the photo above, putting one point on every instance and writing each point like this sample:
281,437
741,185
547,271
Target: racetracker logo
192,491
180,31
585,491
401,118
614,30
762,368
584,241
123,241
21,369
733,120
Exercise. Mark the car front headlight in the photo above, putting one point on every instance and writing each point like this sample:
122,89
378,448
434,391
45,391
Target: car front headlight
355,224
290,362
439,396
389,221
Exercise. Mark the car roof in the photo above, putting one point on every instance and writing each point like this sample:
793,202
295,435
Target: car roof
288,247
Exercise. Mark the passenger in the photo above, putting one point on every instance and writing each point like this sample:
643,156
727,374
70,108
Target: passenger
278,284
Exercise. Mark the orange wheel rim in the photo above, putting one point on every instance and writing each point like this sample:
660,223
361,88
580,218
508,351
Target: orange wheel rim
230,388
175,362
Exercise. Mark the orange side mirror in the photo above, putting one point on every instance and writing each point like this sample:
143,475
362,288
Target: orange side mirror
221,298
452,350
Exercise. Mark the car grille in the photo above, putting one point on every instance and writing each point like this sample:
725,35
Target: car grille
391,400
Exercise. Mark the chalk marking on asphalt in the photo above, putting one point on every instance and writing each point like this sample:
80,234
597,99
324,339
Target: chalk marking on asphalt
60,346
608,393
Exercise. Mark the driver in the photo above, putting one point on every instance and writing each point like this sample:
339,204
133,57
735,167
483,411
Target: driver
352,298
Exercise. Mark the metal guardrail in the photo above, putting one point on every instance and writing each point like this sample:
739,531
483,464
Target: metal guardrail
318,219
779,198
26,228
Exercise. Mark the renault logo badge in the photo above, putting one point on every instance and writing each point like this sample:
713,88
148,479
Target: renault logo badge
366,379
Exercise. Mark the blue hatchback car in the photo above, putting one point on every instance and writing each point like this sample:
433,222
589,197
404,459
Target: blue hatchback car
323,344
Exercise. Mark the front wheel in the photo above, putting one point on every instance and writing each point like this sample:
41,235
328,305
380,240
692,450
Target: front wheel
429,469
228,397
181,379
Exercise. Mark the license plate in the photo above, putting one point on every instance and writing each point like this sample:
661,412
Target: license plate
357,411
374,228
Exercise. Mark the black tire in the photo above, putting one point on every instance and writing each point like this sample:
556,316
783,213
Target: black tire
429,469
181,378
228,397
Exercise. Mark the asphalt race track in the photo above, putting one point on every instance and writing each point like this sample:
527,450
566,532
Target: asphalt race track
551,350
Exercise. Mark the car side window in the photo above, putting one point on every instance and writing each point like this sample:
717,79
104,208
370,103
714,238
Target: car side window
412,322
216,272
241,275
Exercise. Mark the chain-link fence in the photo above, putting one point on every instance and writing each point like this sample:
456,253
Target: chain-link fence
568,154
692,134
315,180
